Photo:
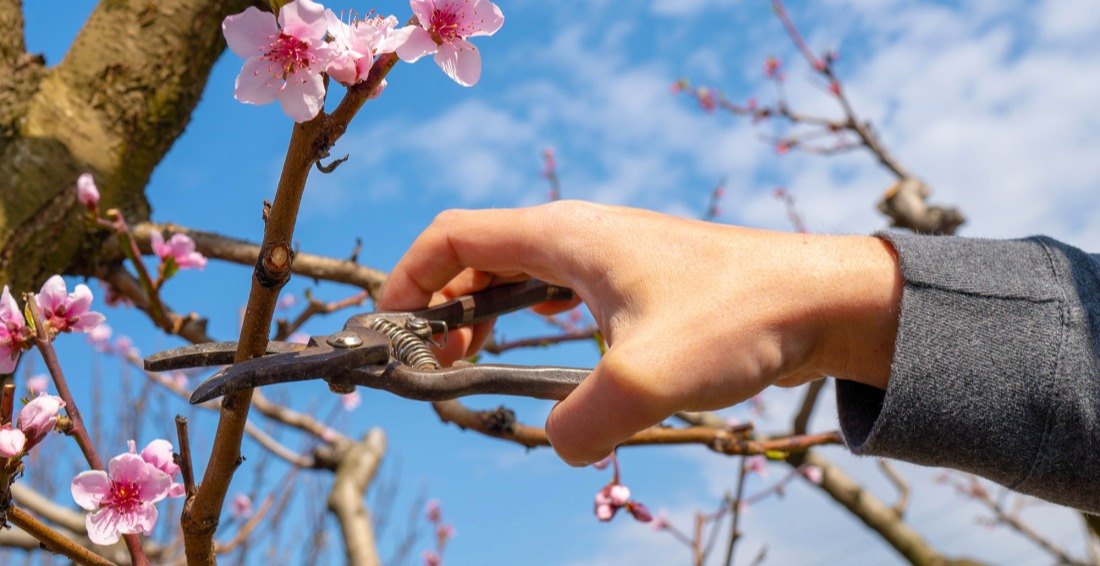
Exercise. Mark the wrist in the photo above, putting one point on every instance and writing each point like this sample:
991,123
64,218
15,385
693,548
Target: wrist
860,310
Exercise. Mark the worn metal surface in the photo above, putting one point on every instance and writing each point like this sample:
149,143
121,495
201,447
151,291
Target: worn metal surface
373,350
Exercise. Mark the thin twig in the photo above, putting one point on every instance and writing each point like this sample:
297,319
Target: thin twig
45,346
501,423
186,471
316,307
735,509
899,483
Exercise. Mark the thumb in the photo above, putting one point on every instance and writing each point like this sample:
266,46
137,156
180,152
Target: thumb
613,403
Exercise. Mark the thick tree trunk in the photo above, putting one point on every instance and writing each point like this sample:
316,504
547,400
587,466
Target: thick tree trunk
122,95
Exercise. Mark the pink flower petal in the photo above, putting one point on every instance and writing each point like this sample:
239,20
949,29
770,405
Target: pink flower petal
487,18
80,300
158,453
88,322
139,521
250,32
461,61
8,359
12,441
303,19
103,526
418,44
9,309
303,96
89,488
423,9
86,191
257,84
52,295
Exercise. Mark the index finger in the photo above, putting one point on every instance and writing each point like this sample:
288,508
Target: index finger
507,242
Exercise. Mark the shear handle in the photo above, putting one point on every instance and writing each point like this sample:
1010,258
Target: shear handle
464,379
490,303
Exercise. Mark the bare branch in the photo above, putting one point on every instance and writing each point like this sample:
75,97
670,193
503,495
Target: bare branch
501,423
315,307
899,483
358,465
245,253
54,541
191,327
876,515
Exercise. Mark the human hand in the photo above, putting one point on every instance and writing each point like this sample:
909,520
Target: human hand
697,316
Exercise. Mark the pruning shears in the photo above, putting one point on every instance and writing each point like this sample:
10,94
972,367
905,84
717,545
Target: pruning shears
390,351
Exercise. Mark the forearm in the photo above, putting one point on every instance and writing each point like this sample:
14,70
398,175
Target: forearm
995,370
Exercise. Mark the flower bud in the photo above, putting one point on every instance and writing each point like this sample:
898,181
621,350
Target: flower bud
12,442
86,191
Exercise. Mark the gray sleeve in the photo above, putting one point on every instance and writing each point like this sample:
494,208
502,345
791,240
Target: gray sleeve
996,369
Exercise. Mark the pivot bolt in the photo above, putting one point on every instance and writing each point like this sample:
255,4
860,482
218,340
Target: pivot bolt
345,340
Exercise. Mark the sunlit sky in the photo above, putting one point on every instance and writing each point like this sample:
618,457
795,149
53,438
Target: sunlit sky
993,103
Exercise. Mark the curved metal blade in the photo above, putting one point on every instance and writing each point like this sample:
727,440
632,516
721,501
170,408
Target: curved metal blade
316,361
208,354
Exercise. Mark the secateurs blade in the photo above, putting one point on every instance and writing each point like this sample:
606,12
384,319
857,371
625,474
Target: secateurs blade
388,351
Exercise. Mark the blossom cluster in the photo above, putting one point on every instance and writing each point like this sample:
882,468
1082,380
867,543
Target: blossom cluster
61,311
285,56
37,419
121,500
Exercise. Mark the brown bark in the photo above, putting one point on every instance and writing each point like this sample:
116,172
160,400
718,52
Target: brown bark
113,107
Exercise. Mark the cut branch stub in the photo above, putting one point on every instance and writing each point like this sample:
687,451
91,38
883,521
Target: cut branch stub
273,265
906,204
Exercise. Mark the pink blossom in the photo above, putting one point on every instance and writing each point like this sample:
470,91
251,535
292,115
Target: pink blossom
14,335
432,511
639,511
241,506
38,384
708,99
444,28
603,464
618,494
431,558
782,147
757,465
65,312
39,417
158,454
12,442
113,298
86,191
121,500
286,301
125,347
444,532
355,45
660,521
814,474
351,401
771,68
100,338
180,247
284,59
605,512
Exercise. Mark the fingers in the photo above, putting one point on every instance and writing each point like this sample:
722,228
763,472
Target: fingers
507,243
610,405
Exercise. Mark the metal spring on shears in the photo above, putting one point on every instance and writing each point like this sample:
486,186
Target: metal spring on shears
406,346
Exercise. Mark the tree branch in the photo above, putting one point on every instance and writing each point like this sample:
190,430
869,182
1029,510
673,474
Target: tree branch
54,541
877,515
216,246
358,465
308,143
501,423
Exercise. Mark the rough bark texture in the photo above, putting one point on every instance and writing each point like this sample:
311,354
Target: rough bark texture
113,106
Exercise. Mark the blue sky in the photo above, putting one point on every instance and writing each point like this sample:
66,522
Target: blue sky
991,102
